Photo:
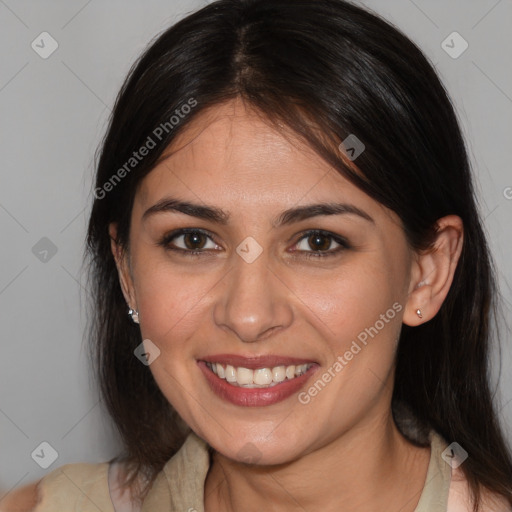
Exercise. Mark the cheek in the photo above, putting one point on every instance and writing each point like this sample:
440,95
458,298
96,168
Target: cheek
358,313
172,309
348,302
171,304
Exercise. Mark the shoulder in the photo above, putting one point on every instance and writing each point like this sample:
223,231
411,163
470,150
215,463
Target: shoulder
83,484
21,499
459,497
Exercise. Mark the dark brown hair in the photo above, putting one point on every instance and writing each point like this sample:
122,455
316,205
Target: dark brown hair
326,69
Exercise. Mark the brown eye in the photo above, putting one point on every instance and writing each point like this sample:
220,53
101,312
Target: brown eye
194,240
188,241
320,243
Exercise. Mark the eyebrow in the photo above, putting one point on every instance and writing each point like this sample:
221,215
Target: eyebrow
219,216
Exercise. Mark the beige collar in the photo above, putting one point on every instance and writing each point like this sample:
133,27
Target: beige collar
180,486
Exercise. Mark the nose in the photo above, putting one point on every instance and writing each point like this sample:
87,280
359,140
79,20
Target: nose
253,301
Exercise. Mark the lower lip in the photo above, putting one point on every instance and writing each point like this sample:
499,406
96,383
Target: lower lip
254,397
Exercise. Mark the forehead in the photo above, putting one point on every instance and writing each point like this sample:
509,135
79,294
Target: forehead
233,153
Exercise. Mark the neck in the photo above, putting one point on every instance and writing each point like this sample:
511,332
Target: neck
363,469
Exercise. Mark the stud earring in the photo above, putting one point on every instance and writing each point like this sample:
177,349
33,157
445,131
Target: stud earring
134,314
418,312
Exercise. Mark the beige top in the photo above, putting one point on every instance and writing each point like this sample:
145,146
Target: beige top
179,487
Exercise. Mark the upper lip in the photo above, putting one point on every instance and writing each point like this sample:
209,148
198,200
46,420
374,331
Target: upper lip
254,362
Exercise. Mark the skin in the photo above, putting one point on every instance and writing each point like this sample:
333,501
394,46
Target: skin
343,447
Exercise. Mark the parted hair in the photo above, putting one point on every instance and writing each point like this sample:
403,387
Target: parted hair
326,69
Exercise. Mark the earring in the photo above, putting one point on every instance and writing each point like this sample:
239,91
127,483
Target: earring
418,312
134,314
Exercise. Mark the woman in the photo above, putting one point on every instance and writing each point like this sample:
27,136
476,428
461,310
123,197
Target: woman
284,207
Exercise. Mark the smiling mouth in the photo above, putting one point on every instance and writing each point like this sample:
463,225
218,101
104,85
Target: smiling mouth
259,377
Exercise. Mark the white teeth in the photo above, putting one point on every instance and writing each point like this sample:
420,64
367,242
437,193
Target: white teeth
263,376
300,369
244,376
259,378
290,372
279,373
220,370
230,373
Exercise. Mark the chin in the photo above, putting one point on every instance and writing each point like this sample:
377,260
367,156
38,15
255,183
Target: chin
259,450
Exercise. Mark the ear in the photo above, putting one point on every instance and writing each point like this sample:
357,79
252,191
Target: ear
123,267
433,270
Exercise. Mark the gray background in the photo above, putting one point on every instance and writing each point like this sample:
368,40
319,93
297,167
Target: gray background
54,112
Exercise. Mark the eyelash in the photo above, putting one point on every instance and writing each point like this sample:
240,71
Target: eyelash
166,242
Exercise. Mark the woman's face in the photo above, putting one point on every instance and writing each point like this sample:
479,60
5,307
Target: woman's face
260,287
